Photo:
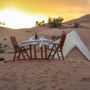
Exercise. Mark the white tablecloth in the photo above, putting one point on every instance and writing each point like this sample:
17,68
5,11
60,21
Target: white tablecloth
40,41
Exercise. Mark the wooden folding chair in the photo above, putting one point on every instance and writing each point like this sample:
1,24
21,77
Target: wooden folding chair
18,50
56,48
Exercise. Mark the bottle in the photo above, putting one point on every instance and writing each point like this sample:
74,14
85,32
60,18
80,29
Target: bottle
36,36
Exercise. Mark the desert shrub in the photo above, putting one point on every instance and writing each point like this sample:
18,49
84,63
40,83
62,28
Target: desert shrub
76,25
55,37
11,52
5,39
37,23
1,58
40,23
0,45
55,22
5,46
2,51
2,23
43,22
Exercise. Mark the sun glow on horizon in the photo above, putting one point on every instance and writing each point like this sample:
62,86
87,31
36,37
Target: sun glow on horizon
16,19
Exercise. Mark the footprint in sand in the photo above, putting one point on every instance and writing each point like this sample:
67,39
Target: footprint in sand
9,78
60,89
9,82
54,86
86,79
41,88
4,86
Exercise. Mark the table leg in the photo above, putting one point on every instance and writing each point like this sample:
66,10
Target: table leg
45,51
35,51
31,51
41,52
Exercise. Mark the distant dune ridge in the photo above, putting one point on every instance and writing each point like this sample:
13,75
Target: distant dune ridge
83,19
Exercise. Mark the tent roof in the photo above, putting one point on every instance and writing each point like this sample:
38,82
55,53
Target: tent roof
73,40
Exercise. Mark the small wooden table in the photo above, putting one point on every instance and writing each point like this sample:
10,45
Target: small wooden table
34,44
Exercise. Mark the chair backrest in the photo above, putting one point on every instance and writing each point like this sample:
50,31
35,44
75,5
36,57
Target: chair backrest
61,43
14,42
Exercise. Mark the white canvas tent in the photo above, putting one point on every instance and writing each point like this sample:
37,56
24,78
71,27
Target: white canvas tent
74,48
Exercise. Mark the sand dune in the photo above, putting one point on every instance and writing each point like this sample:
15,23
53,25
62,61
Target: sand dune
83,19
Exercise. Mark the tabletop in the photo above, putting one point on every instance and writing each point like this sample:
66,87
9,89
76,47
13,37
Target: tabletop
40,41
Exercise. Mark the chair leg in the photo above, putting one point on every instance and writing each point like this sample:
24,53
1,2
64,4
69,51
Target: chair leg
14,56
41,52
54,52
26,52
30,51
62,55
50,52
27,55
23,55
20,51
19,55
58,55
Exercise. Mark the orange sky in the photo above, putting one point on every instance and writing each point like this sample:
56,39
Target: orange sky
66,8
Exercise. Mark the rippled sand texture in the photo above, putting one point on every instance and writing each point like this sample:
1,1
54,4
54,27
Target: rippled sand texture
45,75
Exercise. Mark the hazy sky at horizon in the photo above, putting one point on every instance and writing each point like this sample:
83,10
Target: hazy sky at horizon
46,5
66,8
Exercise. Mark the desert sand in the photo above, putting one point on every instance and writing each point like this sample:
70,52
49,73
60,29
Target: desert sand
43,74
